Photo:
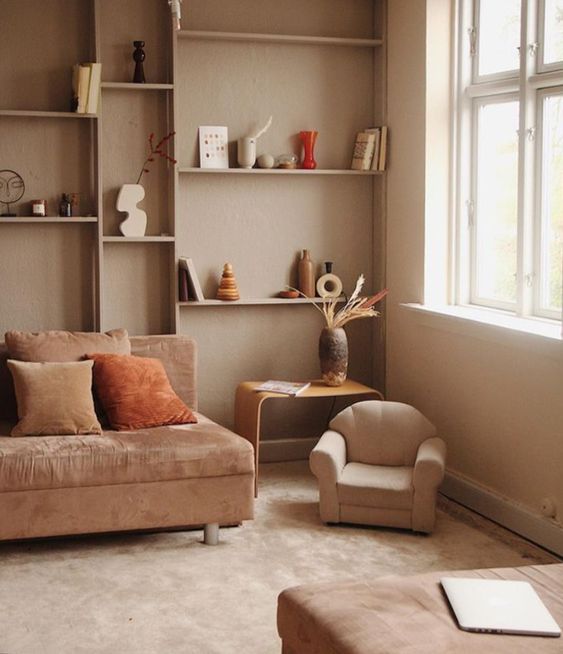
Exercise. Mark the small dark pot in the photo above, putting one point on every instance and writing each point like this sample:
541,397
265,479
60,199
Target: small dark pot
333,355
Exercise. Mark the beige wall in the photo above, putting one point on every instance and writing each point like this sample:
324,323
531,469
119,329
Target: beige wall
258,223
495,399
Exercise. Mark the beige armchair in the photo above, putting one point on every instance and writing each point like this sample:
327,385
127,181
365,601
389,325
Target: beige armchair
380,463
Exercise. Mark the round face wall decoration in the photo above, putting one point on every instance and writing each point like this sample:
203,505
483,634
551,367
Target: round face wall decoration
12,189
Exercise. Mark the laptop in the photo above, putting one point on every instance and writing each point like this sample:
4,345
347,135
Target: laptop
498,606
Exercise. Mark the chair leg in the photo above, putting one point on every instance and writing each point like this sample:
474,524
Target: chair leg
211,533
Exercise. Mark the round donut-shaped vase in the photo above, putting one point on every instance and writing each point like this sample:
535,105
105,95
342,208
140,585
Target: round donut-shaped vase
329,285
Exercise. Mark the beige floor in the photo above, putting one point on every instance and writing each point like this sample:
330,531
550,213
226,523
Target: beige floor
167,593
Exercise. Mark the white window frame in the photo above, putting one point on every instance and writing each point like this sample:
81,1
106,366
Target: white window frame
529,84
542,94
542,66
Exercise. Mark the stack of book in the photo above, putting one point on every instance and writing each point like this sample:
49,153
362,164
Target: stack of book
86,80
189,286
370,149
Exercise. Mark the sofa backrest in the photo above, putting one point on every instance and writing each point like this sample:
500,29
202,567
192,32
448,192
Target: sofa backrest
382,433
179,358
177,353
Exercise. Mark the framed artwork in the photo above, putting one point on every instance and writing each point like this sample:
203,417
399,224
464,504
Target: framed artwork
213,147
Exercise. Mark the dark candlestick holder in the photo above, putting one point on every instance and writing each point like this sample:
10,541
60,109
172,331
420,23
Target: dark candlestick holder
139,57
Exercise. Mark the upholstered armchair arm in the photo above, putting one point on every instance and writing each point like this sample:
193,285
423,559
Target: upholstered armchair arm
427,476
327,460
430,463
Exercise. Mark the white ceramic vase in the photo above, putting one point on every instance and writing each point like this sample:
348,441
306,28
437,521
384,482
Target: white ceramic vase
127,199
246,152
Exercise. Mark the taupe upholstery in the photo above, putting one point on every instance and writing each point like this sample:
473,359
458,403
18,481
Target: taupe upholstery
380,463
158,478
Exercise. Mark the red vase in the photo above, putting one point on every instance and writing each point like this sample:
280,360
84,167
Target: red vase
308,139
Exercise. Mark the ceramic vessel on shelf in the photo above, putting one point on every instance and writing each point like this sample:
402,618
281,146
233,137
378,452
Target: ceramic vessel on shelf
329,285
308,139
333,355
127,199
246,152
306,275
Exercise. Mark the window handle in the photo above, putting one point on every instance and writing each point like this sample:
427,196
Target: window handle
533,48
472,33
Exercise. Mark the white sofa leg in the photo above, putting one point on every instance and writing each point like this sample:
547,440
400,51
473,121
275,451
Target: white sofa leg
211,533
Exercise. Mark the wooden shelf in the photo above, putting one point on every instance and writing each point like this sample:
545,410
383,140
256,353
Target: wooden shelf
130,86
258,301
275,171
251,37
48,219
138,239
24,113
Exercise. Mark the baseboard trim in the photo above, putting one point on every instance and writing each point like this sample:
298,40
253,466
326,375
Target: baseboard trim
534,527
286,449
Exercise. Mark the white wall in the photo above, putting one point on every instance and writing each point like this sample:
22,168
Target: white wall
495,400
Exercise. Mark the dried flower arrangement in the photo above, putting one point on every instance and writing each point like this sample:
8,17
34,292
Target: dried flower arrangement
355,308
156,150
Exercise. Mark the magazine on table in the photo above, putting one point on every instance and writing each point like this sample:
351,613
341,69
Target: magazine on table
283,387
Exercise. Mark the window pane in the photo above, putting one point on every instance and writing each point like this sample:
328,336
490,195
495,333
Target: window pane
551,263
499,36
496,206
553,31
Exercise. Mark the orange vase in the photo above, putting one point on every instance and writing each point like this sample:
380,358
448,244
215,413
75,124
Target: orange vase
308,139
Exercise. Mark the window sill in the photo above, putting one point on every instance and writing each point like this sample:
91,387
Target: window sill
541,336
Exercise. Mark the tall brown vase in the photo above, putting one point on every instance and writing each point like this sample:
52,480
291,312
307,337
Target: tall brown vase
333,355
306,274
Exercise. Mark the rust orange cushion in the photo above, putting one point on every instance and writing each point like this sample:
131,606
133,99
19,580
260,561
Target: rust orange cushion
135,392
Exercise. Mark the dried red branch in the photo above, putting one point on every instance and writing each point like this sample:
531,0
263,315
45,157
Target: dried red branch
153,150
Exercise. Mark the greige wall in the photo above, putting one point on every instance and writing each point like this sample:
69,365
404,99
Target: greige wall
495,398
259,223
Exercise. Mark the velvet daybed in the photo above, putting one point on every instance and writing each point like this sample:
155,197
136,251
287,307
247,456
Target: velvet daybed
406,615
158,478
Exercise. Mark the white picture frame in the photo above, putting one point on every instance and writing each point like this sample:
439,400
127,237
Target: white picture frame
213,146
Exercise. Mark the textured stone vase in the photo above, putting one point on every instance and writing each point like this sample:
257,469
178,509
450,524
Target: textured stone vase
136,222
333,355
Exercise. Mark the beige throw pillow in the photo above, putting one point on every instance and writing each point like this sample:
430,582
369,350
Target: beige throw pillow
65,346
54,398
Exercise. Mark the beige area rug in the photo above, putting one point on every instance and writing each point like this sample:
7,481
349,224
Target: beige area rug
168,593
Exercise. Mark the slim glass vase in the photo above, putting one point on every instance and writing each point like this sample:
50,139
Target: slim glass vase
308,139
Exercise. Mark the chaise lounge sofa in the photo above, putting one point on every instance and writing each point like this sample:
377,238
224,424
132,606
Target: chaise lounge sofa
159,478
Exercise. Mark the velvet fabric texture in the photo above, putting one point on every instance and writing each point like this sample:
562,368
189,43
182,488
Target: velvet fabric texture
167,453
404,614
64,346
135,393
54,398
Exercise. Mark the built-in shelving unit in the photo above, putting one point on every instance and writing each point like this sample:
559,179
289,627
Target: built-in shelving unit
130,86
275,171
270,301
25,113
48,219
309,69
288,39
138,239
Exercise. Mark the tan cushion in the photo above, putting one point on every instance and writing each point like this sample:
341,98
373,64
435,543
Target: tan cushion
54,398
387,487
204,449
382,433
65,346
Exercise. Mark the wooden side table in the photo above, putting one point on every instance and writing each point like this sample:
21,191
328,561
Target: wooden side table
248,406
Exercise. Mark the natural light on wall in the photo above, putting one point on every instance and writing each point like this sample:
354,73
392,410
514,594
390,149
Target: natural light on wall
508,245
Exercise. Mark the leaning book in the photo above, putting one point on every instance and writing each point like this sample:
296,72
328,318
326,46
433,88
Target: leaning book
283,387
